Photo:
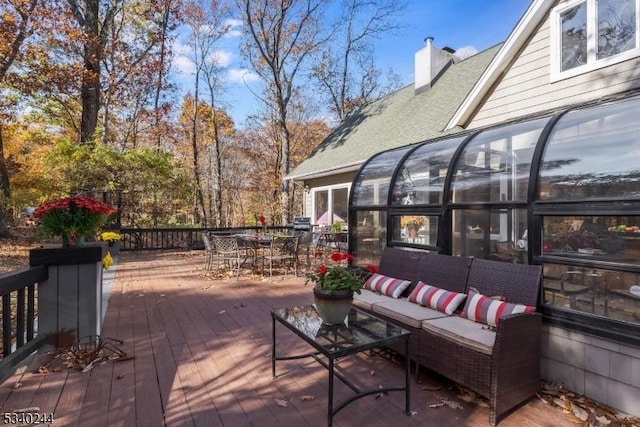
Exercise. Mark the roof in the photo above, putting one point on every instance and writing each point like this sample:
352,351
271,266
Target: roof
399,119
537,11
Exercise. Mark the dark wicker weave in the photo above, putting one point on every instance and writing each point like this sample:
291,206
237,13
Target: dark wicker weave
511,374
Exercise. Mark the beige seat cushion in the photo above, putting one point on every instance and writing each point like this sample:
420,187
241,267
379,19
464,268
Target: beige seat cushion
464,331
406,312
367,298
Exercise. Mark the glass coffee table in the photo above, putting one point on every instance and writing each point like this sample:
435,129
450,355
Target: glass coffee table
359,333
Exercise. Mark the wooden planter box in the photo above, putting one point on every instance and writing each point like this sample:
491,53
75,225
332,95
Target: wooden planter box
70,300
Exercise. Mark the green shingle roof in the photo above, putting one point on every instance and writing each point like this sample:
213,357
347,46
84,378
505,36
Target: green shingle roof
399,119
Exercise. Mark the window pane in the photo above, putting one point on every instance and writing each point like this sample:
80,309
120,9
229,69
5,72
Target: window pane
593,238
499,234
321,207
574,37
422,175
340,204
612,294
416,229
372,184
495,165
369,237
616,27
594,153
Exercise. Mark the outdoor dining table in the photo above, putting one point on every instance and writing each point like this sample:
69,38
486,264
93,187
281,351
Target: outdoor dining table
253,243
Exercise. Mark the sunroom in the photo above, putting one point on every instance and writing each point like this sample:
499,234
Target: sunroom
561,190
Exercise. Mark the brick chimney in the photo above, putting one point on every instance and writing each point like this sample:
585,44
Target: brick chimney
430,62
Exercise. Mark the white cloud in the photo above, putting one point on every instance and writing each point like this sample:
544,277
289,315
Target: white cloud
222,57
235,27
182,65
242,75
466,51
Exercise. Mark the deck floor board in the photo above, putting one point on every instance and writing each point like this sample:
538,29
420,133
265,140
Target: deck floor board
200,355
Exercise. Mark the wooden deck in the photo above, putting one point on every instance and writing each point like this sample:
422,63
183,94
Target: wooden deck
201,352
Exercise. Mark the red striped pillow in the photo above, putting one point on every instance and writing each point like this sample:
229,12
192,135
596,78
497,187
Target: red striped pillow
438,299
386,285
483,309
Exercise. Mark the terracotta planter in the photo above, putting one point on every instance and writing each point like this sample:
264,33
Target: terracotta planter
333,308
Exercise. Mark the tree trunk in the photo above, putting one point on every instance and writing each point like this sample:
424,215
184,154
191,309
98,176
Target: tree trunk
90,92
5,194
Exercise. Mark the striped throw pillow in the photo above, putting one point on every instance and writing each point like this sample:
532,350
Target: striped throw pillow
438,299
386,285
483,309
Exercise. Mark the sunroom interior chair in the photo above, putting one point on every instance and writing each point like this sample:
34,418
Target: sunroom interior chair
284,251
571,284
228,253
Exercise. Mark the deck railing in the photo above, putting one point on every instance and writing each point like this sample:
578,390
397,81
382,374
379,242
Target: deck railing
134,239
18,293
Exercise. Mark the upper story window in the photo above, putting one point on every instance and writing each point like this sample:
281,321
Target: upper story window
589,34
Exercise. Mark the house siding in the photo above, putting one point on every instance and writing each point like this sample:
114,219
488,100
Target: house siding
526,87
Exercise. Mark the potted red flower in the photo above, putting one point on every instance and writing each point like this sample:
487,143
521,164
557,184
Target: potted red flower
72,218
335,285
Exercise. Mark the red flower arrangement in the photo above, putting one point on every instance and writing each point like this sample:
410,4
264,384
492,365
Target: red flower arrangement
340,275
263,223
72,217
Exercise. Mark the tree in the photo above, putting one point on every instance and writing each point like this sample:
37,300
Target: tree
280,37
207,28
19,20
346,68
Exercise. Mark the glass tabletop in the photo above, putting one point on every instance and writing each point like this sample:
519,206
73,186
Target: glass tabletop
360,331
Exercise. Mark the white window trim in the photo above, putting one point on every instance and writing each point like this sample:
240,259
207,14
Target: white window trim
314,215
592,21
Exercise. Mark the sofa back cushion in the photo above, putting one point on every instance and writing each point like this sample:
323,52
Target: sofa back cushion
400,263
436,298
516,283
444,271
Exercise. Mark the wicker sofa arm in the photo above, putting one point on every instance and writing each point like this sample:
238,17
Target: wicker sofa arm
515,361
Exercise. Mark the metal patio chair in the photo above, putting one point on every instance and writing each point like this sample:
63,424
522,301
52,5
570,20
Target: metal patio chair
229,253
284,250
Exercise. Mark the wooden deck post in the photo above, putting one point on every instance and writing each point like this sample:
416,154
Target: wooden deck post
70,300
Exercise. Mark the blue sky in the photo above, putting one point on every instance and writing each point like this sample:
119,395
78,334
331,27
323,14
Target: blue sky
473,24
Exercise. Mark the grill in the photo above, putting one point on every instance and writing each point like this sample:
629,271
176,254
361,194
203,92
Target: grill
302,223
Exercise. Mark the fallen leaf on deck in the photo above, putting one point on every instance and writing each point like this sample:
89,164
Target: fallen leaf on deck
413,413
222,311
17,385
452,404
282,403
436,405
43,370
307,397
431,387
579,412
373,373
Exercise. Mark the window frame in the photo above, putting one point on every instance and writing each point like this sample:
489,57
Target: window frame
329,189
592,42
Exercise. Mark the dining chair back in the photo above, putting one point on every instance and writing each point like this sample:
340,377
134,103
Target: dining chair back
228,252
284,250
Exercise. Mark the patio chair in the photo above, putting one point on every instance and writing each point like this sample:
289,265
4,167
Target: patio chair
284,250
308,245
209,249
228,253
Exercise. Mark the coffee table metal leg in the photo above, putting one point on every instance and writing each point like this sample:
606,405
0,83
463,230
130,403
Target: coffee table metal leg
330,397
273,347
407,372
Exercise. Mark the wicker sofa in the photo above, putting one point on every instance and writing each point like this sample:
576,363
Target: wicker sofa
502,363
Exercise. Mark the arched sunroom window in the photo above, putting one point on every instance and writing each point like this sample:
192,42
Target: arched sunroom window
490,184
368,206
588,209
418,193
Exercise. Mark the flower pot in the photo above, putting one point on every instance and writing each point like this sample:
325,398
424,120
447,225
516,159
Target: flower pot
333,308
